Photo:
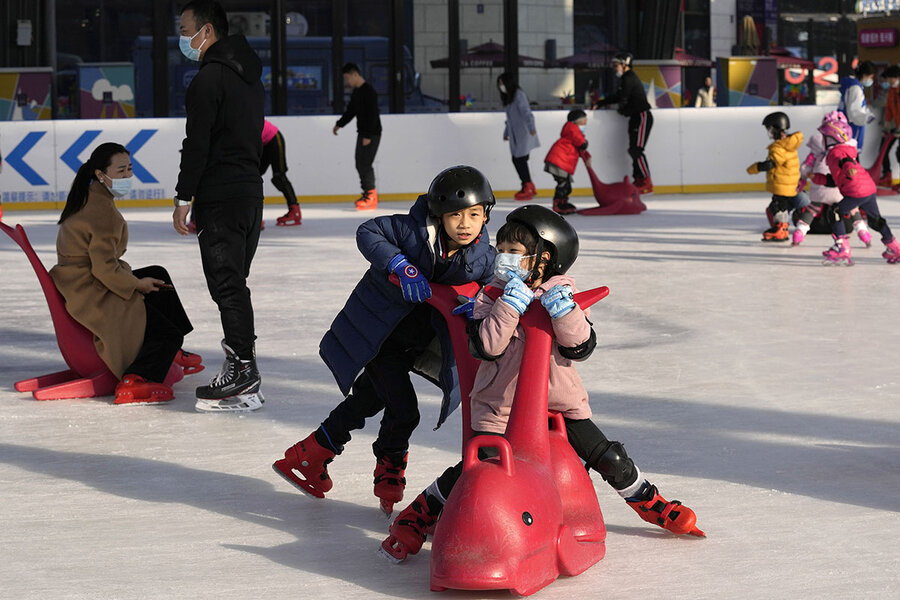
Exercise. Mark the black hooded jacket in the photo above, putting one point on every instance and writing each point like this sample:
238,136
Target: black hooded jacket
222,147
631,96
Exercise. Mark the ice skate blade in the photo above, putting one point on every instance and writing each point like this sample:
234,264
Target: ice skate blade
291,223
240,403
300,484
387,508
388,556
125,401
840,263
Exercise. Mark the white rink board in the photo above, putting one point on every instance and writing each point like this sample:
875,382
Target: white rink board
687,147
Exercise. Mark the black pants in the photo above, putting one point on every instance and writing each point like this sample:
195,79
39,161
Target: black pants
273,155
385,384
167,324
584,436
228,233
365,157
639,127
563,187
521,165
886,161
869,204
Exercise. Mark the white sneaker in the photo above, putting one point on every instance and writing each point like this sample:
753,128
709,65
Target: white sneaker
240,403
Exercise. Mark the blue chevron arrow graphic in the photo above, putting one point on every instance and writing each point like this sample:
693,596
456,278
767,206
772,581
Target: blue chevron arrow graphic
70,156
15,158
133,146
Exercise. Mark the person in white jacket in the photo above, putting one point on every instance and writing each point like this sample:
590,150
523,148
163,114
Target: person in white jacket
853,100
706,96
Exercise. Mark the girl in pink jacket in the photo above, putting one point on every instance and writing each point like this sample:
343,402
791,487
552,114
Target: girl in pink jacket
531,265
858,191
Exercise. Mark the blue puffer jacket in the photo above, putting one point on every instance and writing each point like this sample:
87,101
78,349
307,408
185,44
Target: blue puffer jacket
376,305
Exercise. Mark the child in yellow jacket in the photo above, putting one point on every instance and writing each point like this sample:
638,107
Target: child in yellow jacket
782,167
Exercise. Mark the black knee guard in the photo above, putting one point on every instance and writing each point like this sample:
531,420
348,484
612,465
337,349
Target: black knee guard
876,223
612,462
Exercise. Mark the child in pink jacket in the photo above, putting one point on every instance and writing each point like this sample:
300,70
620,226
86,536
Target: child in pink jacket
531,265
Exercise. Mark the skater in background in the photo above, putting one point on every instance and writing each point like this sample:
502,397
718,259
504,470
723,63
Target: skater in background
782,169
519,131
823,195
364,106
562,159
853,99
273,155
706,95
220,160
858,191
136,317
891,122
536,247
632,101
376,339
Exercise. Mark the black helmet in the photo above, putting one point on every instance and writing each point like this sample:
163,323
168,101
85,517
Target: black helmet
623,58
576,114
457,188
554,232
777,120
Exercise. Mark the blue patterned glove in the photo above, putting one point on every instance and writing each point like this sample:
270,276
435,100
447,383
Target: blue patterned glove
466,307
558,301
517,294
413,284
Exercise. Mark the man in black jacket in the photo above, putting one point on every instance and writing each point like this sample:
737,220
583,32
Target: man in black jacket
633,104
220,159
364,106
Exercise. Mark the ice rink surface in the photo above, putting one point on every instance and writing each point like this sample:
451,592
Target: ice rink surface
745,379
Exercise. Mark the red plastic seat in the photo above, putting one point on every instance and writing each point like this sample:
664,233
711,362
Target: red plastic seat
87,375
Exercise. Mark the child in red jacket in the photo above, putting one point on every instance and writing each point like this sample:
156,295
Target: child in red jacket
563,158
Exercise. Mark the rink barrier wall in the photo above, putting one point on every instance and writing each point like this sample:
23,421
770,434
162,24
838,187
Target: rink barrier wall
690,150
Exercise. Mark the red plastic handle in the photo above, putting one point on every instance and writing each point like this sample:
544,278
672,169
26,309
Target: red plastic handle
489,441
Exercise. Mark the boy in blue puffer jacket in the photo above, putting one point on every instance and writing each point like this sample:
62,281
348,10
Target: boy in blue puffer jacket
375,340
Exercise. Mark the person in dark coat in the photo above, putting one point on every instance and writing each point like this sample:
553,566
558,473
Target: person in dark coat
364,107
632,101
220,160
385,331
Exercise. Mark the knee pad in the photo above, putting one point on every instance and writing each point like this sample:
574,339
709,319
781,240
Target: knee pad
876,223
612,462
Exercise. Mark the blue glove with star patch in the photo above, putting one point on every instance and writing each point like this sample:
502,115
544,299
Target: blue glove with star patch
558,301
413,284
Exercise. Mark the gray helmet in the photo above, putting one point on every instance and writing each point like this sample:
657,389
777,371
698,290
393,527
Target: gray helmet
457,188
623,58
555,233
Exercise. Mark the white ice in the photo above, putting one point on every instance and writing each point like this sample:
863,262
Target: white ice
746,380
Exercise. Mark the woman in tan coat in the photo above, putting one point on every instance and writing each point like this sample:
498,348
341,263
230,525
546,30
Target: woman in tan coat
136,317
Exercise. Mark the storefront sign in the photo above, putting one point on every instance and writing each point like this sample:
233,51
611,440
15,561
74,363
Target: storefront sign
878,38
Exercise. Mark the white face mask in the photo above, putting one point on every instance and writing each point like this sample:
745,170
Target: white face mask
507,265
895,83
502,88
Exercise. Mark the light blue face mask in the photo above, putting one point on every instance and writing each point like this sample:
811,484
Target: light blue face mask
507,265
184,44
583,128
885,85
867,83
120,187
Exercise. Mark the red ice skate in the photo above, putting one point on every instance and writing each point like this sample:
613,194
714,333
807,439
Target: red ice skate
410,529
291,218
368,201
305,464
673,516
191,363
134,388
390,482
644,184
562,206
527,192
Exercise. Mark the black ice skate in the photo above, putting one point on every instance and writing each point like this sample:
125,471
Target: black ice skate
234,389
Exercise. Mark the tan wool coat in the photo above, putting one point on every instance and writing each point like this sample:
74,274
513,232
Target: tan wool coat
97,285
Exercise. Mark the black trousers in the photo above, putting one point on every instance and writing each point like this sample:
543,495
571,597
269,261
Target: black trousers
228,233
273,155
639,127
385,384
365,158
167,324
521,165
